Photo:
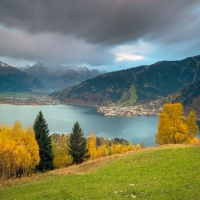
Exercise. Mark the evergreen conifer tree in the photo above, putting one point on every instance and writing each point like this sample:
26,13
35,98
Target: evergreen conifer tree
44,142
78,144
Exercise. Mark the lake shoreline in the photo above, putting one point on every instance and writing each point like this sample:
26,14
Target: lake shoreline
61,118
73,104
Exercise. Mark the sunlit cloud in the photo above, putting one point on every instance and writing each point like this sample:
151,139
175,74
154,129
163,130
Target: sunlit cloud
140,47
132,52
122,57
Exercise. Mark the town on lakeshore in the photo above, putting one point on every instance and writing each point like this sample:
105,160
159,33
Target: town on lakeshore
36,100
152,108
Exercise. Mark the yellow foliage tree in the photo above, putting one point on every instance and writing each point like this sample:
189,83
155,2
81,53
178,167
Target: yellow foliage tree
107,147
138,147
192,127
121,148
174,128
130,147
115,149
19,152
60,151
101,151
91,145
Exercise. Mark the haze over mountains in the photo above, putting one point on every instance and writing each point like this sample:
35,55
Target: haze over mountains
137,84
56,77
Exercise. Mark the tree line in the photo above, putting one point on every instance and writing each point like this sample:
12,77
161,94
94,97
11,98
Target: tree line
67,150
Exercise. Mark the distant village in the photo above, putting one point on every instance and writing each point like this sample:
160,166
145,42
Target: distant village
40,100
152,108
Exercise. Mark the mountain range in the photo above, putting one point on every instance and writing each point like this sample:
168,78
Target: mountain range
138,84
14,80
56,77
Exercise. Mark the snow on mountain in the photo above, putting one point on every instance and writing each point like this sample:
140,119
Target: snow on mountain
3,64
14,80
56,76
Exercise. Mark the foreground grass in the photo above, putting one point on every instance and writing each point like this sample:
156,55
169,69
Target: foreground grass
171,172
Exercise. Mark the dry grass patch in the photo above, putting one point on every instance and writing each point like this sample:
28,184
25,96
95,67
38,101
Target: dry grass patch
88,166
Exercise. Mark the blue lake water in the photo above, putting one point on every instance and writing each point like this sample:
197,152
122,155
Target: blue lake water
61,118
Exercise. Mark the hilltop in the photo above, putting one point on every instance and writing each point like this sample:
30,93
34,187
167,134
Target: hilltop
166,172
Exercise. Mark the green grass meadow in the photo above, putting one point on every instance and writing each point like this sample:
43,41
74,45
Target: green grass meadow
169,172
129,98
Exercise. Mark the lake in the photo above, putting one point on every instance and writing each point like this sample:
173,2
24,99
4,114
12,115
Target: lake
61,118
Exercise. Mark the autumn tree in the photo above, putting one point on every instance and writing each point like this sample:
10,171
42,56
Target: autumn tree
92,146
174,128
44,142
19,152
192,127
60,150
77,144
101,151
118,148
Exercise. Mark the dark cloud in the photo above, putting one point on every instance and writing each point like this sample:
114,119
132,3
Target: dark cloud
99,21
86,31
51,48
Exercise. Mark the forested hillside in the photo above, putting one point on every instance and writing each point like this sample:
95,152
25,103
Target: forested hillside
190,97
137,84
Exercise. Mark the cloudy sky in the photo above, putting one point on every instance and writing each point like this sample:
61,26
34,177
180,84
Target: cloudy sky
104,34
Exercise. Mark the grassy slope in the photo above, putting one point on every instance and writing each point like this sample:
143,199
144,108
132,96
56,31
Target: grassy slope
128,98
170,172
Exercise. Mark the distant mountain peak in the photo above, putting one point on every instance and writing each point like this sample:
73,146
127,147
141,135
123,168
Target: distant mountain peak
39,63
56,76
4,64
13,79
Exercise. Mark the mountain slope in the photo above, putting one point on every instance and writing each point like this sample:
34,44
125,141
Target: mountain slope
14,80
136,84
57,77
189,96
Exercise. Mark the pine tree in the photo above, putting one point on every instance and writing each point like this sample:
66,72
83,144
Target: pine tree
77,144
44,142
